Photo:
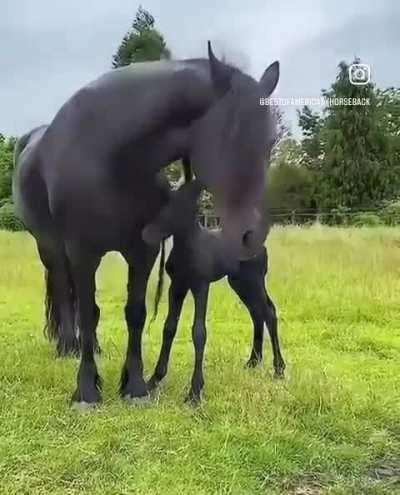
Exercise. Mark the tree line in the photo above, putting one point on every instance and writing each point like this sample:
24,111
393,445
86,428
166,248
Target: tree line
347,162
345,166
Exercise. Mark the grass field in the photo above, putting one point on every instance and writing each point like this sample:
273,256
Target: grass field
332,427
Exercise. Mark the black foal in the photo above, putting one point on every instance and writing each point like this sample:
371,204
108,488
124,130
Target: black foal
196,260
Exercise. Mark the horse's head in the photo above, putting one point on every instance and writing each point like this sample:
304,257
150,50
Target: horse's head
229,149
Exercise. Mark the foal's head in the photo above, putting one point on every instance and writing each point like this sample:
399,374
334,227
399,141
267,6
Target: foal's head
178,217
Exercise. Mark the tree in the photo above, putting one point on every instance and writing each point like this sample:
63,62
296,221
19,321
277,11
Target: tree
142,42
283,129
389,117
290,184
6,168
356,167
311,124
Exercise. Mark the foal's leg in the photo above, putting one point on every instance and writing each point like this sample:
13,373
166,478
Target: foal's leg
271,321
83,267
249,294
199,336
176,297
140,264
256,355
60,299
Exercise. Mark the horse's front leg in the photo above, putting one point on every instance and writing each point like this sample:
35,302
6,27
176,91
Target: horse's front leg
199,337
140,265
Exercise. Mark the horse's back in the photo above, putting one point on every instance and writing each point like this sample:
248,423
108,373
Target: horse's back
127,105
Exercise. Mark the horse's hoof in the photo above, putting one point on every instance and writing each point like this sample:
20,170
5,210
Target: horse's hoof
135,393
84,406
142,401
88,394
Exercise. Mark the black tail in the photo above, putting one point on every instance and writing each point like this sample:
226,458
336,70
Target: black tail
160,283
187,170
53,328
52,317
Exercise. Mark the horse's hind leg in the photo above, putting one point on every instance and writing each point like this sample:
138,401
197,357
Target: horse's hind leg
83,270
60,300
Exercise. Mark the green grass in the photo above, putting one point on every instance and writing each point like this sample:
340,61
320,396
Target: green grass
332,427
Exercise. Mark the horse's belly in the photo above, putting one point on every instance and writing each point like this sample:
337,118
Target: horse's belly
102,216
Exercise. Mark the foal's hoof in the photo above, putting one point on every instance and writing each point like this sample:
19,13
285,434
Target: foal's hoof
279,373
153,384
193,399
253,363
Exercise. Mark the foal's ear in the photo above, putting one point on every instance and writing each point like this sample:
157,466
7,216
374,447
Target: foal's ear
221,73
270,79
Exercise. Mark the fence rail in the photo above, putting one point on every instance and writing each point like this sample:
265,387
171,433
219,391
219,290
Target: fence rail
288,216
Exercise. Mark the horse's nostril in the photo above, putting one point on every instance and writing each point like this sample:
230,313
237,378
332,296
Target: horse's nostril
246,239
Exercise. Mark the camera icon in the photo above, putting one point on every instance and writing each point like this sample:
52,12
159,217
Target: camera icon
359,74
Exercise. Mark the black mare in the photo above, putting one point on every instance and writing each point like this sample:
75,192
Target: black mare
195,261
85,185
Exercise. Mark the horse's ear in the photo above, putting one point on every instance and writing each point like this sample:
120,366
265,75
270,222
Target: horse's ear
270,79
221,73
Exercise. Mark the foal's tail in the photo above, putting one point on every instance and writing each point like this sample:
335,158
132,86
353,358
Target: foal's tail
160,283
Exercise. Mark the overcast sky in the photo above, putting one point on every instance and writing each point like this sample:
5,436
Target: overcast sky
49,49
